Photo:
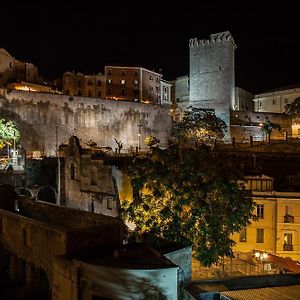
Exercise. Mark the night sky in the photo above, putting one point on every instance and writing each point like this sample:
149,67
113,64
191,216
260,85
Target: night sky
60,37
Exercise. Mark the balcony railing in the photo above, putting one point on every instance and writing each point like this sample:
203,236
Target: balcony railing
288,219
287,247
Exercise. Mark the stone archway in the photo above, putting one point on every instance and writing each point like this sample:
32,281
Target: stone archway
47,194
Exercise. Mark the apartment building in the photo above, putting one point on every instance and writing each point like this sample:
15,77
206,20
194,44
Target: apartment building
277,229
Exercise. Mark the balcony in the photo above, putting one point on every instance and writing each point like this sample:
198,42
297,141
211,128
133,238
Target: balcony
288,219
287,247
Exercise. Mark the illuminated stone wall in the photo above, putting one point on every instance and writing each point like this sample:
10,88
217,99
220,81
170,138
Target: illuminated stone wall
212,74
47,120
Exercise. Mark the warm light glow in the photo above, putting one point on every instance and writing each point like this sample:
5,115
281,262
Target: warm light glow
257,254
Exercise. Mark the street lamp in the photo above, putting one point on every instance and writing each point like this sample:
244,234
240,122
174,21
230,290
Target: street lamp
262,257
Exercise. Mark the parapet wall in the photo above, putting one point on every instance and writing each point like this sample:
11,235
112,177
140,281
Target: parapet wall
48,120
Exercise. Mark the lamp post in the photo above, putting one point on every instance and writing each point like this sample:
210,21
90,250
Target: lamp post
261,257
139,136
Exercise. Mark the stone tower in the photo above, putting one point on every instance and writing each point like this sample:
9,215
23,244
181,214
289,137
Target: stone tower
212,75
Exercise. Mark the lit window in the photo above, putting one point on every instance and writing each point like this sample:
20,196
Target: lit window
259,235
109,81
136,82
260,210
123,81
288,239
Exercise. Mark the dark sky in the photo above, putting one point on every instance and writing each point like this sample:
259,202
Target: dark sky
64,36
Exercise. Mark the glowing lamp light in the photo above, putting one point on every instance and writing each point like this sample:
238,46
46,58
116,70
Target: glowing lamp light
257,254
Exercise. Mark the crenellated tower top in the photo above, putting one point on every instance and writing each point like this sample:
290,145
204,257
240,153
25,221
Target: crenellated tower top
214,38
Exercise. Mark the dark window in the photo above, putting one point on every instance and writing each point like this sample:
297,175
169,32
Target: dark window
123,72
259,235
260,211
67,92
109,203
243,235
123,92
99,93
90,83
136,94
150,77
79,83
99,82
1,226
109,72
109,91
90,93
79,93
136,73
73,171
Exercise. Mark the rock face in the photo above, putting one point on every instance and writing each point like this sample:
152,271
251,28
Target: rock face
212,75
48,120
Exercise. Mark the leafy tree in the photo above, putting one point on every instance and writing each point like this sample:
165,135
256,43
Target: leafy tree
8,133
189,195
268,127
292,110
200,125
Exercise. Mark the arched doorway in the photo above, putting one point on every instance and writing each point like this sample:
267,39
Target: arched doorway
47,194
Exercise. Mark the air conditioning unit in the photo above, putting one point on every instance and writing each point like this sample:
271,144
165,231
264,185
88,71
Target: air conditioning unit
86,283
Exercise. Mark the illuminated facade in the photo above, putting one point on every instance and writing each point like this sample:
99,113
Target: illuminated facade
12,69
134,84
212,78
277,230
84,85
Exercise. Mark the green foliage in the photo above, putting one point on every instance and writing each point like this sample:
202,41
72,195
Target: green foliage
8,133
191,196
292,110
268,126
199,124
151,141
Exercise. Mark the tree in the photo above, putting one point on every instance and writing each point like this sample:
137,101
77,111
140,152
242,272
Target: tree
151,141
9,133
189,195
120,145
198,125
268,127
292,110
